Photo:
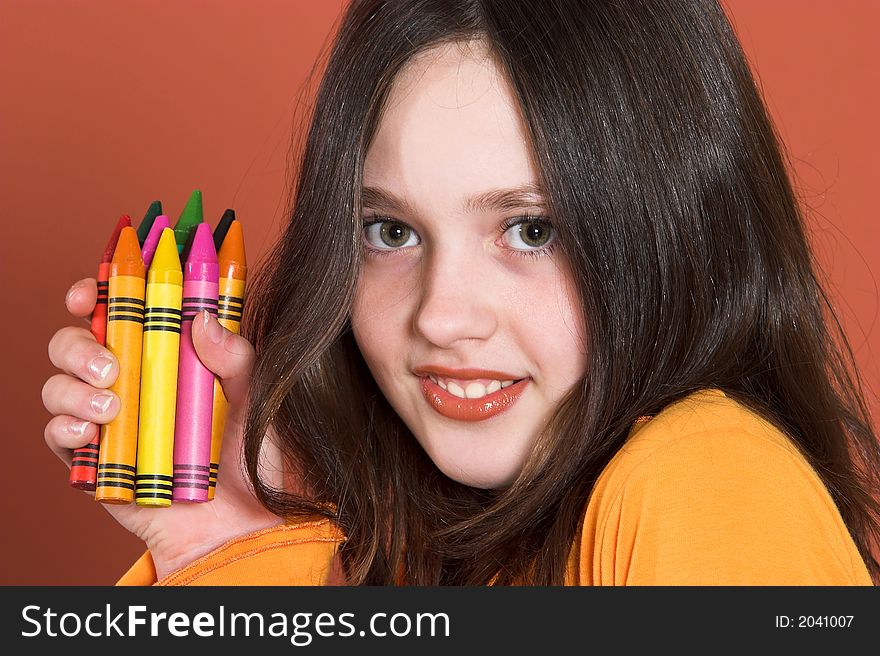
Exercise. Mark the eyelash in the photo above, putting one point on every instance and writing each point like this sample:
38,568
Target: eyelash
506,225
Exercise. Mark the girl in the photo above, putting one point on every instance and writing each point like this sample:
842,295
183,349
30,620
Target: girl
544,313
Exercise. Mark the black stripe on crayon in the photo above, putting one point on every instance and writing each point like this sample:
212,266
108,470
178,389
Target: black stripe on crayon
129,486
233,299
122,307
152,495
212,484
159,477
187,466
199,299
101,301
127,299
165,328
117,465
163,310
215,465
103,476
174,321
103,283
79,462
198,486
187,476
124,317
162,487
230,317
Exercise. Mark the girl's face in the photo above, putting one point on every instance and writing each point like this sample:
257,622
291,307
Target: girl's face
463,289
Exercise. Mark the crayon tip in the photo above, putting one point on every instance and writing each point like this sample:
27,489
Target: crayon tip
128,249
166,257
189,217
148,247
153,211
222,228
122,222
202,249
232,250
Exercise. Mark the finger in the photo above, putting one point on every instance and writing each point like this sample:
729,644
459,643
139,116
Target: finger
64,395
75,351
81,297
65,433
228,355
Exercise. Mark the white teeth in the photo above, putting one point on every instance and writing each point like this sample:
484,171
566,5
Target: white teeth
475,390
441,384
455,390
494,386
506,383
433,380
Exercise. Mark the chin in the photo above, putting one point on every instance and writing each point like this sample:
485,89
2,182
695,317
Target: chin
483,480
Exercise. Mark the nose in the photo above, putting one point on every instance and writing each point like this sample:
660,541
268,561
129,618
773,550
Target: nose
458,300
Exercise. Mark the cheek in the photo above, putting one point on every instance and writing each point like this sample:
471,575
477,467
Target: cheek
557,332
378,323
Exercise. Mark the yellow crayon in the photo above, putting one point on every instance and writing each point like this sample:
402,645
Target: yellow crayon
125,322
233,277
155,447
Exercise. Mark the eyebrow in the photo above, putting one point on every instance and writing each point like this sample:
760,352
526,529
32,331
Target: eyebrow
527,195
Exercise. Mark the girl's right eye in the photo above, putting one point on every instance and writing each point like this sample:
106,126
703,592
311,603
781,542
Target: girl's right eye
387,235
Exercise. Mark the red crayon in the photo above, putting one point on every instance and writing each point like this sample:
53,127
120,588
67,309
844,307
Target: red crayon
84,468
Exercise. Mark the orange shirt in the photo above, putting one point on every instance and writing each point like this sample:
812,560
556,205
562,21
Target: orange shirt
705,493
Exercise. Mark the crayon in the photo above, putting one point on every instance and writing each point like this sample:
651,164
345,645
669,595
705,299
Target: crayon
84,467
154,210
125,327
233,276
148,247
155,444
195,383
190,217
222,228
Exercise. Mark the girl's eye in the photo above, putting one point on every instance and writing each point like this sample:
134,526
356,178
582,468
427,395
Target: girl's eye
387,234
529,233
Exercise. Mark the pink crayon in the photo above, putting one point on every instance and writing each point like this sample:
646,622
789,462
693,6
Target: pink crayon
195,383
149,248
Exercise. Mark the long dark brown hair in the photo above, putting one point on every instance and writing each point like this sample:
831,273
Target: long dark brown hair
670,193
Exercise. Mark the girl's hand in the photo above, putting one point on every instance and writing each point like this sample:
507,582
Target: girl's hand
79,400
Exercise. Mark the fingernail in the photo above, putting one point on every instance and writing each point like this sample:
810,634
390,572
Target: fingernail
77,428
101,402
70,292
100,366
213,328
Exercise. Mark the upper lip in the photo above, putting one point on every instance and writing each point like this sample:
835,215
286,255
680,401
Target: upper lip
464,374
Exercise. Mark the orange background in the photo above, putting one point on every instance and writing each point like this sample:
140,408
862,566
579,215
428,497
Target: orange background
106,106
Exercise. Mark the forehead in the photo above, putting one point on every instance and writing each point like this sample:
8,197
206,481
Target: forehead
450,125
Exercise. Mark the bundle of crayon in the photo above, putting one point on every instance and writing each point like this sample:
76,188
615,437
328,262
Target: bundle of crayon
164,445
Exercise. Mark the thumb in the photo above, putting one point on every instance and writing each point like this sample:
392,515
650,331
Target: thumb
228,355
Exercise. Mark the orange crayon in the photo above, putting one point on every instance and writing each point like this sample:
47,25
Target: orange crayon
84,467
125,323
233,276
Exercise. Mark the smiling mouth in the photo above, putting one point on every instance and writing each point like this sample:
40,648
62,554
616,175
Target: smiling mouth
483,403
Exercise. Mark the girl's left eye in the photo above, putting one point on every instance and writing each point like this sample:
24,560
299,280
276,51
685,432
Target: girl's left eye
387,234
528,233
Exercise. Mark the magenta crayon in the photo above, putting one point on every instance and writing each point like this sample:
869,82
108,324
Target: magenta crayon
152,241
195,383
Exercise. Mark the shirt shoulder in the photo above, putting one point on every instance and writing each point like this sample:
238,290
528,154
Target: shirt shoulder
710,493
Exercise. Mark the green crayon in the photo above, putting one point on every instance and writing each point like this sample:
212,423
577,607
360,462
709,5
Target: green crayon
143,230
190,217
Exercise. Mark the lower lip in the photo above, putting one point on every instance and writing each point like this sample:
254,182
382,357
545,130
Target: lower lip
454,407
